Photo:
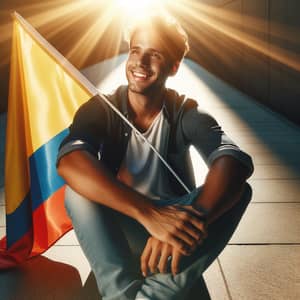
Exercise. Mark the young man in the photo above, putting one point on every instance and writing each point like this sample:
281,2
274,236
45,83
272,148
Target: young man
124,202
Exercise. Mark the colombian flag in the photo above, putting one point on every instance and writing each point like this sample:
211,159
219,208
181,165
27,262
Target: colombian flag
44,93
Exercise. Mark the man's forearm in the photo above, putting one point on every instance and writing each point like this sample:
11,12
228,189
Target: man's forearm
223,186
89,177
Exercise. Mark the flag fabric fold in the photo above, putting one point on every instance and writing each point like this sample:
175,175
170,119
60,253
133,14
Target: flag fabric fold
45,90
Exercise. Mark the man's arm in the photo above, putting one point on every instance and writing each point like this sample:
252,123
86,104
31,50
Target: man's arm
89,177
229,166
223,186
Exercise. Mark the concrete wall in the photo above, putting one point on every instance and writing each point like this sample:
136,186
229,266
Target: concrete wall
270,73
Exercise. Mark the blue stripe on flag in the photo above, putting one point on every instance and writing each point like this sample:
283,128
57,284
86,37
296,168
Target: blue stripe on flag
44,178
18,222
44,182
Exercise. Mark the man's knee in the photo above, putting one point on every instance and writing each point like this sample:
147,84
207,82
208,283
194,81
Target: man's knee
246,195
77,205
71,197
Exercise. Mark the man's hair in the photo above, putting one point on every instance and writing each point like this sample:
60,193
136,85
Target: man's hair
172,36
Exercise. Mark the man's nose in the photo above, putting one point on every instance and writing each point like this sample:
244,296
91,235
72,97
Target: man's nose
144,59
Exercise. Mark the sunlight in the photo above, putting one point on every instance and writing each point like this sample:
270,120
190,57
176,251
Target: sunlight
104,20
203,19
137,9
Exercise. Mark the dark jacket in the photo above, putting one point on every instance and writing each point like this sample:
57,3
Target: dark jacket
98,129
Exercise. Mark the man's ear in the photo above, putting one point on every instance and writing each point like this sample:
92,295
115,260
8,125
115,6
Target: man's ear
174,68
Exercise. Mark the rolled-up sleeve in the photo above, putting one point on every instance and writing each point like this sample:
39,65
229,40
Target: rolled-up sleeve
88,130
203,132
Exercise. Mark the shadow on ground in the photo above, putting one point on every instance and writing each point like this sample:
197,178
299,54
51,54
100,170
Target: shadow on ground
42,278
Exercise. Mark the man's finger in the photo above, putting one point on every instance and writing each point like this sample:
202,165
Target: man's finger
145,257
178,244
176,256
183,235
191,209
186,216
198,224
194,232
163,261
155,255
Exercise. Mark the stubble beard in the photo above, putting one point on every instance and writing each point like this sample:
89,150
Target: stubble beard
149,90
142,91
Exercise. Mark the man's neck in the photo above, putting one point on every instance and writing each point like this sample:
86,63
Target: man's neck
144,108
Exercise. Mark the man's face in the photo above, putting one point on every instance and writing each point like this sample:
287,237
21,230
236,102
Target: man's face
147,67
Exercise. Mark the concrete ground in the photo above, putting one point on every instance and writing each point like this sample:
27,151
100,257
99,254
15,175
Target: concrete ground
261,260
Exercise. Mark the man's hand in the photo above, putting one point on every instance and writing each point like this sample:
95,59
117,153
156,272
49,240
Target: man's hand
180,227
156,255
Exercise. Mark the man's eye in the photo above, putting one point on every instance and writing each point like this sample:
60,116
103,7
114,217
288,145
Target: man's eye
133,51
156,55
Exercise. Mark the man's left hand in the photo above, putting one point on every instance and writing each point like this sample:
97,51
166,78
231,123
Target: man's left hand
156,255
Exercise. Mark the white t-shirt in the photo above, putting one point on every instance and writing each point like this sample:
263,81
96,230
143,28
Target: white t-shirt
141,168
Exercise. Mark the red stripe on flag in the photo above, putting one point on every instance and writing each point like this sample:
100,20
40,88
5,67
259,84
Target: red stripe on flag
17,253
50,222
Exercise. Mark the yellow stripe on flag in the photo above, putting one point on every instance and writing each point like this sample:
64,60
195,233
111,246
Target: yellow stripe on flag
16,162
45,91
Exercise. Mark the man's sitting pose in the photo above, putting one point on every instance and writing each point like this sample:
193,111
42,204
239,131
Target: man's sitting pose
144,235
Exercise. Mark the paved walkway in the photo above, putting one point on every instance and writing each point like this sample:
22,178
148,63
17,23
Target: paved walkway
262,258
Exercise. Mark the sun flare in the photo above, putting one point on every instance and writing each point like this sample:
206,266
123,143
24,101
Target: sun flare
135,9
103,22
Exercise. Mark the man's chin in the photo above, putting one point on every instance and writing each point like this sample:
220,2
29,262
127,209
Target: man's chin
137,90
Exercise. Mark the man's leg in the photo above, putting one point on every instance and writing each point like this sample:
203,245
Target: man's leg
166,286
105,246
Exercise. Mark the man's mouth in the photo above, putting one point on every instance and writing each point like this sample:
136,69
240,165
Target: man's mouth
141,75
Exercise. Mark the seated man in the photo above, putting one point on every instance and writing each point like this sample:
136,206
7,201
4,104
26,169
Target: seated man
122,199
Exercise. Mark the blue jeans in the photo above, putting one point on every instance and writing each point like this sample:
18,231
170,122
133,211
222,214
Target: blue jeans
113,243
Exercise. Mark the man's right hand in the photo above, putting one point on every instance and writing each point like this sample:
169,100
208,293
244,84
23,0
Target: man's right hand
180,227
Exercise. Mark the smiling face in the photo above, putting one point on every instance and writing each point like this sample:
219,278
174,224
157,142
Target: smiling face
147,66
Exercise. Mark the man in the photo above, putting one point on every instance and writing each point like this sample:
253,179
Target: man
123,201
